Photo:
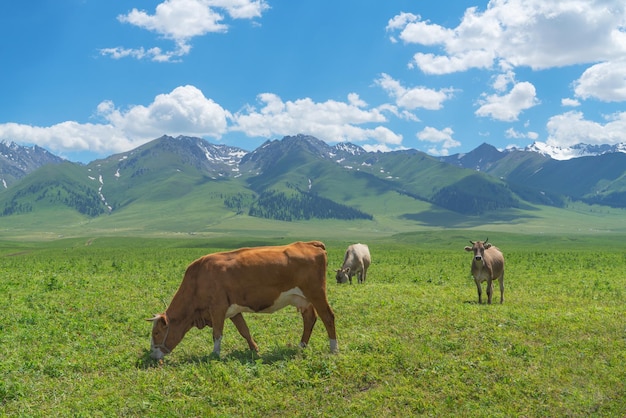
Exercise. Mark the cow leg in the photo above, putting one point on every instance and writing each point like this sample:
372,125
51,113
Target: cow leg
218,319
308,318
501,280
243,329
364,274
480,291
328,318
489,289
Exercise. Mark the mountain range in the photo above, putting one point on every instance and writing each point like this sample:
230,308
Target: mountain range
17,161
301,177
594,179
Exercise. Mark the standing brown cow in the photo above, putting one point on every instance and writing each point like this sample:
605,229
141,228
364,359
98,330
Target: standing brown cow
224,285
487,265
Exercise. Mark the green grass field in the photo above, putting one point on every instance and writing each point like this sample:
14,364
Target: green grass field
412,339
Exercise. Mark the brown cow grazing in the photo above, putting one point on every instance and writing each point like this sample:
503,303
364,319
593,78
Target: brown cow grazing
487,265
356,261
262,279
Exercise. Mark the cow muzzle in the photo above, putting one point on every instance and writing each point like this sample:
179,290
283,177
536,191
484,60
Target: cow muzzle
157,354
342,277
478,258
158,351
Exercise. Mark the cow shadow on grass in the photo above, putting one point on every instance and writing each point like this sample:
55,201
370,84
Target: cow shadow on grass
475,302
275,355
244,357
146,362
470,302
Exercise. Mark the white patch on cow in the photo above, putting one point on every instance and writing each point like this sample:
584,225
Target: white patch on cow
293,297
235,309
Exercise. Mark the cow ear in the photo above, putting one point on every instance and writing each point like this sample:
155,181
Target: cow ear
487,246
468,248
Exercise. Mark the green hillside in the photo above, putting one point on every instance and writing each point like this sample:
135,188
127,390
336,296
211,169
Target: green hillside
597,180
61,185
297,187
424,178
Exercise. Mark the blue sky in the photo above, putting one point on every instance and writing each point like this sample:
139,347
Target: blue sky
89,78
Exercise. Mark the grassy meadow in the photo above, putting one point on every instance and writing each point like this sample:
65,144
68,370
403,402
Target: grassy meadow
412,340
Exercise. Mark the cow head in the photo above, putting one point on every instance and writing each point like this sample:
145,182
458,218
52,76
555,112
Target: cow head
478,248
160,333
343,275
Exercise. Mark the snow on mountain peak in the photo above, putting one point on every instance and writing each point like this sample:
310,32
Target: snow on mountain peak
349,148
574,151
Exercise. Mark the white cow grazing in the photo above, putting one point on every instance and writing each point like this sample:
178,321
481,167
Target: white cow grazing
356,261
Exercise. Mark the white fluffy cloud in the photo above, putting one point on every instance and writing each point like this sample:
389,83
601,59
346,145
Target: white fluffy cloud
537,34
416,97
512,133
502,81
533,33
572,128
442,138
412,28
570,102
184,111
331,120
182,20
443,64
68,136
507,107
605,81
